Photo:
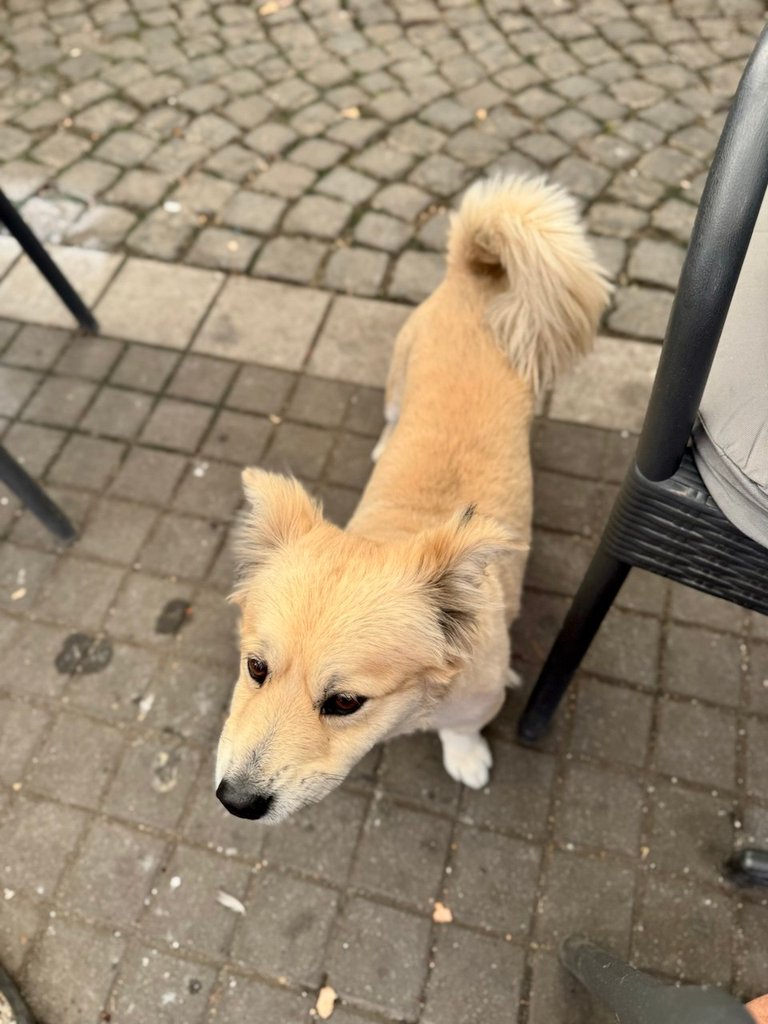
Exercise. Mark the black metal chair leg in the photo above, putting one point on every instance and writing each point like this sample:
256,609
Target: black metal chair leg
637,998
26,238
594,597
34,498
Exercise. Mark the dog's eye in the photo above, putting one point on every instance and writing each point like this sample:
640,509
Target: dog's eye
258,670
342,704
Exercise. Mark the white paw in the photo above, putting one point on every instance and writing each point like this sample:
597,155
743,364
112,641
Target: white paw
514,679
467,758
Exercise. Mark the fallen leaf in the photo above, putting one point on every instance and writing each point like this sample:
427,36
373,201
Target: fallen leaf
481,114
18,594
269,8
326,999
230,902
442,914
351,113
233,246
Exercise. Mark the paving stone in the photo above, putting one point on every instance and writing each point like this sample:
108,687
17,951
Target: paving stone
497,967
656,263
144,368
79,592
25,294
87,179
148,475
288,320
201,379
416,276
241,997
252,211
611,722
401,854
20,731
140,189
756,757
286,929
382,232
356,271
35,347
237,437
751,957
378,957
60,401
112,851
351,463
298,450
69,974
317,216
356,340
220,249
627,648
187,911
290,259
125,148
557,995
260,389
158,987
710,758
85,462
157,304
37,837
181,547
692,832
401,200
152,783
101,227
568,903
318,401
663,941
609,388
599,808
176,424
19,924
700,663
117,412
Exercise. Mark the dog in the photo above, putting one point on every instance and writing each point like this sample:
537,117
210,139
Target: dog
400,622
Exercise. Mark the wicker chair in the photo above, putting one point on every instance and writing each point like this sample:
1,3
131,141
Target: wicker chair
665,519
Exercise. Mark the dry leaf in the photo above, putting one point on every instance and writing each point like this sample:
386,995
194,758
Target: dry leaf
442,914
18,594
326,998
271,7
351,113
481,114
233,246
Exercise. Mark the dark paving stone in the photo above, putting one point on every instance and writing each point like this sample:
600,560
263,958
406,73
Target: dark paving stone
210,489
87,462
568,906
19,923
557,995
76,761
33,446
242,998
59,401
350,462
692,832
89,357
36,348
412,767
752,954
757,757
599,808
285,928
517,798
704,610
378,958
320,402
116,530
152,782
298,450
701,663
495,967
144,368
186,910
611,722
235,437
79,592
201,379
181,546
140,604
684,932
116,690
70,972
36,837
190,700
477,889
161,988
401,854
112,851
176,424
21,728
149,476
15,388
260,389
626,648
320,840
696,743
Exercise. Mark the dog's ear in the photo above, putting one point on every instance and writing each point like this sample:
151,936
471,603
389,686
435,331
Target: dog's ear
454,560
279,511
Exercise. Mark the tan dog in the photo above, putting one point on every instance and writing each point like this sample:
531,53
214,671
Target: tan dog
400,622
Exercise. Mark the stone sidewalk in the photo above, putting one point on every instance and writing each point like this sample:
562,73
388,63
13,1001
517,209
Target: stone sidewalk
119,661
250,196
321,142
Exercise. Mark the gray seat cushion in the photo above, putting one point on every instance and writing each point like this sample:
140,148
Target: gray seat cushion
730,440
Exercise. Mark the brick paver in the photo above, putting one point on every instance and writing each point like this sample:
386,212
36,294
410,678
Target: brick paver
176,156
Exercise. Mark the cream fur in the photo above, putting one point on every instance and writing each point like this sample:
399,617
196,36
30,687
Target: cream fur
410,605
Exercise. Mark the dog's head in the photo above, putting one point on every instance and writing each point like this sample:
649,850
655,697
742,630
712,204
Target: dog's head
343,640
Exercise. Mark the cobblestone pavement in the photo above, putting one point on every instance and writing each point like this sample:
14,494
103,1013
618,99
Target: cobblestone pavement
192,164
321,142
119,658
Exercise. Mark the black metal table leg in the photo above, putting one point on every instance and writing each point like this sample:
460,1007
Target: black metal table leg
590,606
34,498
637,998
29,242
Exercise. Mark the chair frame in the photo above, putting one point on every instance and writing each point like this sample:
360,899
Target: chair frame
664,519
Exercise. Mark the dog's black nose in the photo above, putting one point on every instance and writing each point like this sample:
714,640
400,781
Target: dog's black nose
243,802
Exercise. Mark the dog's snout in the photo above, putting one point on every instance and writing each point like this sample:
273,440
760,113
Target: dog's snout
242,801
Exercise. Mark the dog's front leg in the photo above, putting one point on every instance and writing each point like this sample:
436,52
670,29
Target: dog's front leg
467,757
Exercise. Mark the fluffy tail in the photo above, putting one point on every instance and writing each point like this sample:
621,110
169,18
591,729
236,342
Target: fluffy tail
530,231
